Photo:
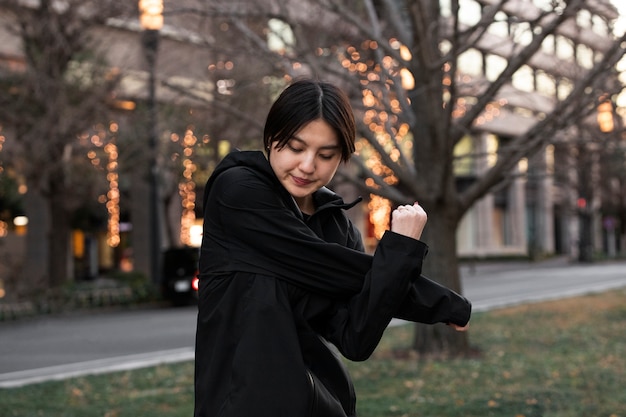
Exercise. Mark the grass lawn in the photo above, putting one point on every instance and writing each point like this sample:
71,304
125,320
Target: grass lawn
563,358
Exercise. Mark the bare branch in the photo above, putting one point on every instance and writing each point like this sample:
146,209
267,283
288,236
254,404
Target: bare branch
514,64
585,92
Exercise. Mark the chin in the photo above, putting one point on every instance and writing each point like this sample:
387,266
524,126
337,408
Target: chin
299,195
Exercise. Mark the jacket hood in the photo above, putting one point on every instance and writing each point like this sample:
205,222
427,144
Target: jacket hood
324,198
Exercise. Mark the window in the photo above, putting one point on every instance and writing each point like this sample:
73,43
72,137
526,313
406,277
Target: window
464,158
500,26
523,79
495,66
583,19
522,33
469,12
444,5
492,149
564,88
471,62
584,56
545,84
548,45
599,25
564,48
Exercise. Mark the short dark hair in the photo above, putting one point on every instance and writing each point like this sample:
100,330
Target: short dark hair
305,101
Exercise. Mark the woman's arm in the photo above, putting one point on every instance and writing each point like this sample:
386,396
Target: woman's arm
357,325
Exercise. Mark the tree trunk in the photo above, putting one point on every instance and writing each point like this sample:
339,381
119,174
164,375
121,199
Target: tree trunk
140,217
442,266
34,274
48,260
59,242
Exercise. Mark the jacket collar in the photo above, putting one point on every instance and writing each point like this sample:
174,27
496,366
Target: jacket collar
325,198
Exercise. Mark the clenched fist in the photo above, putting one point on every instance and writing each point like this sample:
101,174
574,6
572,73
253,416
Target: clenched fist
409,220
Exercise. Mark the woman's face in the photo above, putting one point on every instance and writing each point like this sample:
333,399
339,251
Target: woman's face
307,162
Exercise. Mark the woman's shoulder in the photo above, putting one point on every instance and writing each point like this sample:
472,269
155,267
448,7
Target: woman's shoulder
241,166
237,174
244,186
244,180
240,179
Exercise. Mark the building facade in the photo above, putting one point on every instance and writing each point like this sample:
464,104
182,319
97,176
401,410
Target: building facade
552,203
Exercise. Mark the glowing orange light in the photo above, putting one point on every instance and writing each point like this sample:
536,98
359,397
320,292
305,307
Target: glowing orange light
112,200
151,14
380,210
186,189
605,117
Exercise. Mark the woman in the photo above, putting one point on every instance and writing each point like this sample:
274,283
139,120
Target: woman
283,274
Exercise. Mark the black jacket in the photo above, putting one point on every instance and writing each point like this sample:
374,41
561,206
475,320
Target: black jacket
276,289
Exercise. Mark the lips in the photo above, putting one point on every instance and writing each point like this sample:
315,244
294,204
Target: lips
302,182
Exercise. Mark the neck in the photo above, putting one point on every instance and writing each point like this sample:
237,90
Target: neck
306,204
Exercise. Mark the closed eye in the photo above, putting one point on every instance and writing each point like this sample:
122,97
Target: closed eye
294,149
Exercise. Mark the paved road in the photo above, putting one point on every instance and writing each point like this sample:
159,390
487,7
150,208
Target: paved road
35,350
59,347
500,285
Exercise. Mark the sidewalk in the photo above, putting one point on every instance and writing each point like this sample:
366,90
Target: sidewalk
480,267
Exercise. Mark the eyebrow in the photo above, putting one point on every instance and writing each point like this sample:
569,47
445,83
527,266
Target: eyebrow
327,147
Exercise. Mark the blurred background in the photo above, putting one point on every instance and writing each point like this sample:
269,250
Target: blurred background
504,119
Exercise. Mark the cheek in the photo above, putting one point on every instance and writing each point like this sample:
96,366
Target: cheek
330,170
279,162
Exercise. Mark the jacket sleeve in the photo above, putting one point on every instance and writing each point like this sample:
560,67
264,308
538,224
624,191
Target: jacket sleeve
393,288
357,325
429,302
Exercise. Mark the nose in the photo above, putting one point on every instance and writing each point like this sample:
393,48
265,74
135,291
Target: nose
307,163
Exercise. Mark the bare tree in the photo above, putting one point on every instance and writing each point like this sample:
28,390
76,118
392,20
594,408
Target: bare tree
403,63
55,90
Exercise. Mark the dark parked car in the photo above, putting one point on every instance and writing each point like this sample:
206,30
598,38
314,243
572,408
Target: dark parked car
180,275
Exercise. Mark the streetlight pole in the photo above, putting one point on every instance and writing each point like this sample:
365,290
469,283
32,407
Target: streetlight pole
584,204
151,18
587,161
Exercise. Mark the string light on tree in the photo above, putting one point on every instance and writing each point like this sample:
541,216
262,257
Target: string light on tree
187,188
113,195
111,199
387,137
